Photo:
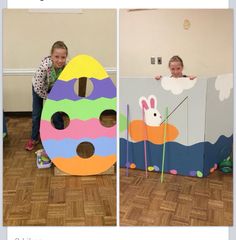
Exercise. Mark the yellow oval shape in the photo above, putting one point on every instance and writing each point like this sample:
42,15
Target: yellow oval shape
150,168
83,66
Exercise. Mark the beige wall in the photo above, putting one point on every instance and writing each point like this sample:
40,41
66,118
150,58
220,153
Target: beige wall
28,36
206,47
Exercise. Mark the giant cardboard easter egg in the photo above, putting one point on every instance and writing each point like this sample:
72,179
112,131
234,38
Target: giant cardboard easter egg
85,128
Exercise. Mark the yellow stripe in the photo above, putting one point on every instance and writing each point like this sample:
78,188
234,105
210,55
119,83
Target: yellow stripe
83,66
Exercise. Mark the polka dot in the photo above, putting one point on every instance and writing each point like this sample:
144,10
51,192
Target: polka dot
150,168
127,164
132,165
192,173
199,174
173,171
212,170
156,168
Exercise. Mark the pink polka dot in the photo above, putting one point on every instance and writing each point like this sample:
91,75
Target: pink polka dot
212,170
173,171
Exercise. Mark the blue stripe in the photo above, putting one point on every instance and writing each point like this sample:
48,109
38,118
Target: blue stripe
67,147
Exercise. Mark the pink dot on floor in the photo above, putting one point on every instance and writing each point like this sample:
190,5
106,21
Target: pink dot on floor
212,170
173,171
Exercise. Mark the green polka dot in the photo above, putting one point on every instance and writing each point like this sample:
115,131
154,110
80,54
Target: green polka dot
199,174
123,122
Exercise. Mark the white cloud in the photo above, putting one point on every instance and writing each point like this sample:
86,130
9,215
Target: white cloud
177,85
224,84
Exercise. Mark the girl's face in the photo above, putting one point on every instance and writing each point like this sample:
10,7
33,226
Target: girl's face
59,56
176,69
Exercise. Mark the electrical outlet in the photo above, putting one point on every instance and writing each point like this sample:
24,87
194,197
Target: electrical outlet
152,60
159,60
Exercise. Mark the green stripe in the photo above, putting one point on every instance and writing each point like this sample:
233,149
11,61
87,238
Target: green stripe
122,123
82,109
164,147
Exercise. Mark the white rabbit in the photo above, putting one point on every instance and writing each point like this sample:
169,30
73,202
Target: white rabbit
151,115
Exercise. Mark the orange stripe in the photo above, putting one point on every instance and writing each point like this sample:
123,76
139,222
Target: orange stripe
84,166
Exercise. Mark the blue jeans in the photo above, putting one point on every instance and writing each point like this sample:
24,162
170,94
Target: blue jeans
4,124
57,119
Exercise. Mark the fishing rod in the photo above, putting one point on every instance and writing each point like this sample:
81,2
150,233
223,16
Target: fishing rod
174,109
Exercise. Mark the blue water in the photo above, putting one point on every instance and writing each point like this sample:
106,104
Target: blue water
186,160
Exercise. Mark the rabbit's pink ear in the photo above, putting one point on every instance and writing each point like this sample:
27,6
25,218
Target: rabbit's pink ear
143,103
153,101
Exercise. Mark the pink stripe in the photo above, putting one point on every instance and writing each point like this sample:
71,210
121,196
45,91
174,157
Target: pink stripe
77,129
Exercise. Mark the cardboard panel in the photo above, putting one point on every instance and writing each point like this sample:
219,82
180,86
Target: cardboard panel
219,121
85,127
185,152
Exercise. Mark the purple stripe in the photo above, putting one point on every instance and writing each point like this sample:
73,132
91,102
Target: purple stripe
65,90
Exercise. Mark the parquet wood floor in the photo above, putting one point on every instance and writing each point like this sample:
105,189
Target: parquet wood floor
178,201
34,196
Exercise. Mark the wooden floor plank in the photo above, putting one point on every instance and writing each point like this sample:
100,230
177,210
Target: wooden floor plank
35,197
179,201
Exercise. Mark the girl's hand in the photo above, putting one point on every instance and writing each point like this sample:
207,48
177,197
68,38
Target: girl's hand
158,77
192,77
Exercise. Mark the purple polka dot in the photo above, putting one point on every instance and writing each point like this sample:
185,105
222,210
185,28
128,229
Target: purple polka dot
127,164
156,168
192,173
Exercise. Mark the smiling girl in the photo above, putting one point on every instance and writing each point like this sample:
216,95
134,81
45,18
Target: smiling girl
42,82
176,67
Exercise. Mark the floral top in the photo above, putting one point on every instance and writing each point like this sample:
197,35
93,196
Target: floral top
44,77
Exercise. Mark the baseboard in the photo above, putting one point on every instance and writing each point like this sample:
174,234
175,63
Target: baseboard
18,114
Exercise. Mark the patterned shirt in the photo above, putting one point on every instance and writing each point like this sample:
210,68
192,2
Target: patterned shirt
44,78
